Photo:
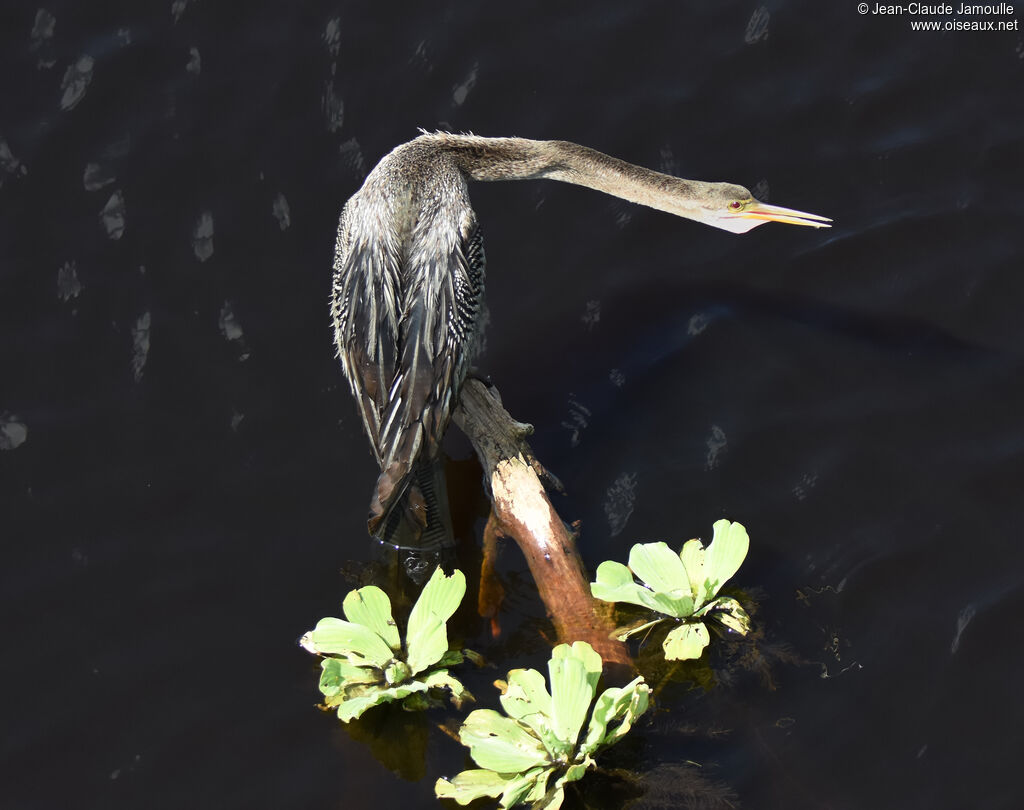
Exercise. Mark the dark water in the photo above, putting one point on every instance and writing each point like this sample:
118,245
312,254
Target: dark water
183,474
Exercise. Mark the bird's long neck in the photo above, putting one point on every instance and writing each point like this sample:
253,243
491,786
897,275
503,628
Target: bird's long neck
522,159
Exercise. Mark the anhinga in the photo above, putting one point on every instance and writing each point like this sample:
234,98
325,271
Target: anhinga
408,285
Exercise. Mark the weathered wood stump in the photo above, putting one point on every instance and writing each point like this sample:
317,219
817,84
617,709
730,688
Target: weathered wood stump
521,509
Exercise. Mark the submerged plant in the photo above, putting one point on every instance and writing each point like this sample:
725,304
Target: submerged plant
680,586
543,734
365,663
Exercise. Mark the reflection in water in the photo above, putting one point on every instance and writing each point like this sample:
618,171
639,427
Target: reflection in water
140,345
42,38
619,502
397,738
112,215
13,432
577,420
75,82
202,236
68,285
716,443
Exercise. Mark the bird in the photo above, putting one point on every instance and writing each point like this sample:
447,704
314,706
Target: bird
407,292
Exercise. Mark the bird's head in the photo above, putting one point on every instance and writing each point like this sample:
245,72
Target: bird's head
733,208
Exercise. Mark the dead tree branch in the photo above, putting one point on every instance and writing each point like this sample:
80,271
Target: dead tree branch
521,510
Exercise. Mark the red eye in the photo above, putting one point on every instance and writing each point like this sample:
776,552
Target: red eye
735,206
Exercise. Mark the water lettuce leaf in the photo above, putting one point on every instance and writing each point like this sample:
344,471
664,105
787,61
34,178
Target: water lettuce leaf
359,644
371,608
574,672
363,664
615,584
518,754
427,635
660,568
680,587
501,744
724,555
686,641
468,786
614,713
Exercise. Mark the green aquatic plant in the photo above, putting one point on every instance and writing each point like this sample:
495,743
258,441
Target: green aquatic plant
365,662
682,587
544,735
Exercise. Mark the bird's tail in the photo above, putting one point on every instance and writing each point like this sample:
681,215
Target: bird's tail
419,525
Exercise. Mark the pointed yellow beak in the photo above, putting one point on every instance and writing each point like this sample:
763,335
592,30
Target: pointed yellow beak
775,213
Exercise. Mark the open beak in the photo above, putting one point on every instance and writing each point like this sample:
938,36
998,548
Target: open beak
775,213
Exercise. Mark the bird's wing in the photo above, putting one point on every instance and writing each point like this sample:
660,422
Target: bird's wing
438,332
406,339
365,295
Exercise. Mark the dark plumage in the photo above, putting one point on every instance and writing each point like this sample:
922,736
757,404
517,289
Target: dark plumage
408,287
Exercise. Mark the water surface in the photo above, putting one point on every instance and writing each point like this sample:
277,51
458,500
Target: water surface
183,476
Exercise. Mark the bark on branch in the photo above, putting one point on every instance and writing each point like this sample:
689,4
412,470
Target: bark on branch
521,510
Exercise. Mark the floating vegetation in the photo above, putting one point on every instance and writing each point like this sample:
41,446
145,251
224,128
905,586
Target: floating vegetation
680,587
544,735
366,664
548,731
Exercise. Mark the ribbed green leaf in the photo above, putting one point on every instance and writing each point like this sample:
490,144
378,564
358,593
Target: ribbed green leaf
524,785
660,567
337,674
639,700
572,686
450,659
426,638
584,652
672,604
440,596
500,743
686,641
471,785
357,643
429,644
622,633
613,575
573,773
442,679
351,709
621,705
692,556
371,608
615,584
540,784
396,672
730,613
525,694
724,555
552,800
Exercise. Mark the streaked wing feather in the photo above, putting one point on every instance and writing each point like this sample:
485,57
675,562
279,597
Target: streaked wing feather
406,335
438,333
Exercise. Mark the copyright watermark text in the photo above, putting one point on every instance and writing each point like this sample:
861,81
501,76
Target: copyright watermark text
954,16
